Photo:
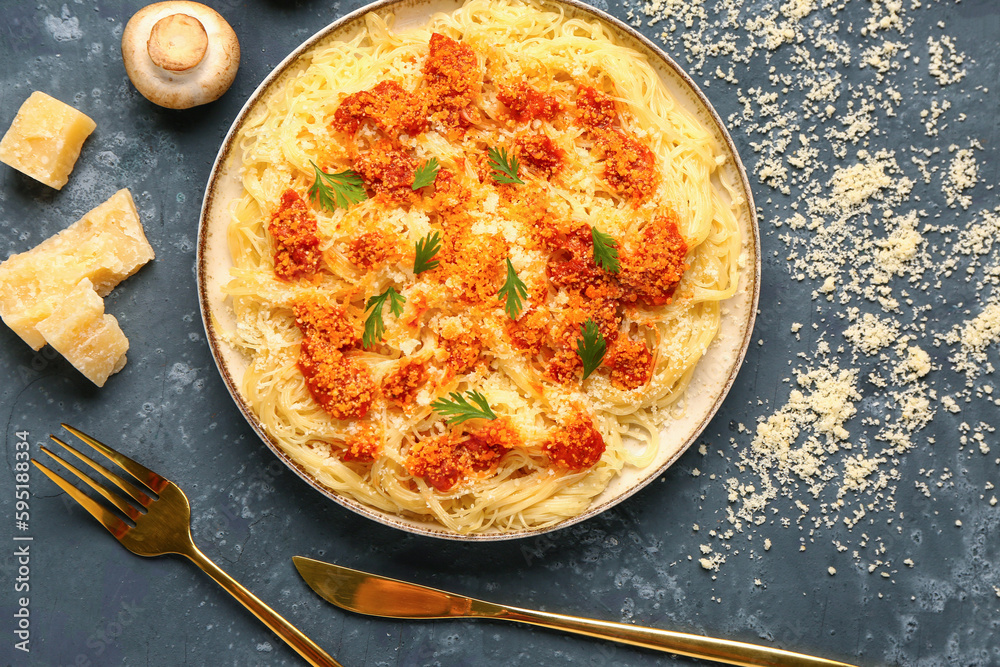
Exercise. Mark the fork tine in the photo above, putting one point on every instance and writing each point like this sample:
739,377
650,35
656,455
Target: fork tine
112,498
137,470
115,526
137,495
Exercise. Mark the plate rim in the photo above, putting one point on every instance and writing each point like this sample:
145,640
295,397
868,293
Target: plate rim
431,529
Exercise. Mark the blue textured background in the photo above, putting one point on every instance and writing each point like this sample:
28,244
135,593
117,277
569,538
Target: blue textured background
93,603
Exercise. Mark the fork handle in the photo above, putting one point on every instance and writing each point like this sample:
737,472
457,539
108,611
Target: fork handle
291,635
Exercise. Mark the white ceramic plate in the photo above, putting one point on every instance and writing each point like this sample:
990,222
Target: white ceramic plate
714,375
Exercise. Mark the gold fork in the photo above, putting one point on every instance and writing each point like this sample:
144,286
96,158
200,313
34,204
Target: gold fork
163,526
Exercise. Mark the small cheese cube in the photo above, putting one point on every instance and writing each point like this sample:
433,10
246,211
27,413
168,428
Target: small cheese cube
105,246
79,330
45,139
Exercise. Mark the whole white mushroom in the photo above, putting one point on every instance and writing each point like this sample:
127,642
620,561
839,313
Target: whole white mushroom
180,54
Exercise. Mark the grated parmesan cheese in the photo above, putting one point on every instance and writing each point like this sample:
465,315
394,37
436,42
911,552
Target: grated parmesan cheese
893,354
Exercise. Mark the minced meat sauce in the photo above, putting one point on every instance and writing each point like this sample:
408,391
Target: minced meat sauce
448,98
296,245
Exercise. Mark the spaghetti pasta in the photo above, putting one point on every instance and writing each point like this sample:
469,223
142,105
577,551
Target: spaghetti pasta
544,150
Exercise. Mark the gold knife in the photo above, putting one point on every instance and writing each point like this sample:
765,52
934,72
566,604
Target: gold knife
371,594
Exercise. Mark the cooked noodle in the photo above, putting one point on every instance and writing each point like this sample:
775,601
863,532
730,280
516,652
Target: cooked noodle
550,53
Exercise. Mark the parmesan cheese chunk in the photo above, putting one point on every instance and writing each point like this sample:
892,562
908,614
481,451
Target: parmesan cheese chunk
105,246
45,139
79,330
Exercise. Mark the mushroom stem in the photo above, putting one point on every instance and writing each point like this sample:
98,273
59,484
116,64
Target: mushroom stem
177,43
166,53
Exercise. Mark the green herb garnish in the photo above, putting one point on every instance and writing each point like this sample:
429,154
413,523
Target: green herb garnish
333,190
458,409
426,173
427,247
374,325
504,166
513,290
605,251
590,347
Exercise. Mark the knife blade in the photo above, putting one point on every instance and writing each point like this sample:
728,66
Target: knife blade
379,596
374,595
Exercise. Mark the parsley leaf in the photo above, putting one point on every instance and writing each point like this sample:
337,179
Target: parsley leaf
514,290
458,409
590,347
504,166
427,247
426,174
605,251
341,189
374,324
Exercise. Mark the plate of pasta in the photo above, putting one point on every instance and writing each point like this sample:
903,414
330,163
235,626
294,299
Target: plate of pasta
478,270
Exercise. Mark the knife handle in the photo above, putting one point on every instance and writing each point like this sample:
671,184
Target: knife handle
680,643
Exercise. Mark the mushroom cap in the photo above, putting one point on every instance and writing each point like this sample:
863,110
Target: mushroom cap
177,62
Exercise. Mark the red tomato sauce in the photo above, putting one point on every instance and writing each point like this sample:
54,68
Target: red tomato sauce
296,245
